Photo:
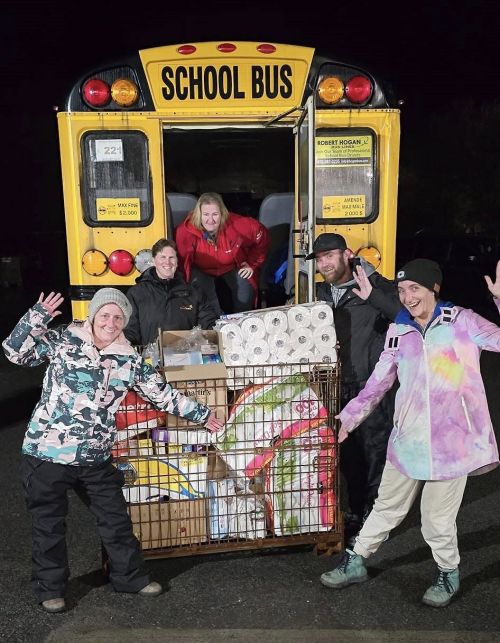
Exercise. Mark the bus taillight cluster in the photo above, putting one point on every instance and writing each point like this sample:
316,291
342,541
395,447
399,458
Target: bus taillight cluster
357,90
98,93
121,262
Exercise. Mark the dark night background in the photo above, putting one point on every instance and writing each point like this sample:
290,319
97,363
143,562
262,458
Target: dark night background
440,57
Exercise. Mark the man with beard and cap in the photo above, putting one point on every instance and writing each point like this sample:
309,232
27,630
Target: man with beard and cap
442,431
91,366
363,304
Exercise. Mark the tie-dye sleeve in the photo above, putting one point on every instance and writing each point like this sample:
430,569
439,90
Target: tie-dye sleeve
30,343
483,333
151,385
380,381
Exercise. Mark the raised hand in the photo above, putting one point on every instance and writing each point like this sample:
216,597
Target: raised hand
213,424
364,288
494,287
245,272
51,303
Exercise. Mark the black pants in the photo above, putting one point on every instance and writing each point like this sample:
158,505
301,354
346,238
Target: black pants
100,487
363,453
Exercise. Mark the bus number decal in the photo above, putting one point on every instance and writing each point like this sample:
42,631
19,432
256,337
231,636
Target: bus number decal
201,83
108,150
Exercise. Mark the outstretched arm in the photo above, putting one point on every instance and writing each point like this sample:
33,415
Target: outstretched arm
30,343
494,286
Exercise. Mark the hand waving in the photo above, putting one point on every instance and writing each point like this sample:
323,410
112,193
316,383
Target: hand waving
494,287
364,288
51,303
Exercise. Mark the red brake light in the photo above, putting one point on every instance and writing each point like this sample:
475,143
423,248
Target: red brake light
358,89
96,92
186,49
226,47
266,48
121,262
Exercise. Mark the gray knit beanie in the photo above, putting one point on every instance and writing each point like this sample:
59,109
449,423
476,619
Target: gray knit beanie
109,296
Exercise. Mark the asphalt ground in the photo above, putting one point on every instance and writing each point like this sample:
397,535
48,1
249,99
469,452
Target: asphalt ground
252,596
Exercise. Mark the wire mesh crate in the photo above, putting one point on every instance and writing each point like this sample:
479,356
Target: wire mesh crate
268,479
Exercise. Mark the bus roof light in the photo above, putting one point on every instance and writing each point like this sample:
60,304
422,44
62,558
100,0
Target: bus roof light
226,47
96,92
331,90
121,262
124,92
266,48
186,49
358,89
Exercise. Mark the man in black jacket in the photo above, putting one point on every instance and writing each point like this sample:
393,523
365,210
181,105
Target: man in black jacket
363,304
162,299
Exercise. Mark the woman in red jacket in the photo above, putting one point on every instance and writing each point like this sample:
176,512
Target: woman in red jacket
223,252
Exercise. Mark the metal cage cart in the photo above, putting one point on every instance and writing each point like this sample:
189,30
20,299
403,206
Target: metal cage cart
269,479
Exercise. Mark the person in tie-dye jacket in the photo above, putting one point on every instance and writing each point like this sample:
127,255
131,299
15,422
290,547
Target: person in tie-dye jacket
442,428
91,366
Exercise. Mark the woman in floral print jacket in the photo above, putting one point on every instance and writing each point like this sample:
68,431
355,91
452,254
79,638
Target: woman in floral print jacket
91,366
442,428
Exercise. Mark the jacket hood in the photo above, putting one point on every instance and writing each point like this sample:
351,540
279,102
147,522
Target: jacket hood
83,330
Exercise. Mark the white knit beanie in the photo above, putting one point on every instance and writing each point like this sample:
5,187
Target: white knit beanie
109,296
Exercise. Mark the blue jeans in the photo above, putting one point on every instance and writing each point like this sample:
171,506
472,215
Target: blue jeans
228,293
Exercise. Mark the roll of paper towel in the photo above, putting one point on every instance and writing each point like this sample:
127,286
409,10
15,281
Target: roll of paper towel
321,315
253,328
301,339
280,344
324,337
326,356
231,335
257,351
298,317
275,321
235,357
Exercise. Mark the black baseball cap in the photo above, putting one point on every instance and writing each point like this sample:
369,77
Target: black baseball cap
327,241
425,272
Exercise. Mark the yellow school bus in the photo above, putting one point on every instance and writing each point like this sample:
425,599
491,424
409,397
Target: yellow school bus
304,143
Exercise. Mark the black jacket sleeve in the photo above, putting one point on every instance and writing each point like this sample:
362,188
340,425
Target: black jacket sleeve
132,330
384,296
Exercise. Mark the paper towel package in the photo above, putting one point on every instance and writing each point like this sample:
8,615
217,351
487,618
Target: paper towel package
297,335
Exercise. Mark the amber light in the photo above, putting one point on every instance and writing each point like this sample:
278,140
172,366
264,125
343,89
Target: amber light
331,90
121,262
370,254
358,89
124,92
94,262
186,49
96,92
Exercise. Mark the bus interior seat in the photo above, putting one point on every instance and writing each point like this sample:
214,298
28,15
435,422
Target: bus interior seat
276,213
179,205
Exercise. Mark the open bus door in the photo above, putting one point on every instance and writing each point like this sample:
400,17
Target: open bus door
306,218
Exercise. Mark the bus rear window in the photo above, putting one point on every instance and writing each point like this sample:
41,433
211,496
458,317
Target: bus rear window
346,181
116,185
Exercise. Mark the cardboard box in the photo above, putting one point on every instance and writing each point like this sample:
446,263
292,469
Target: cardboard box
181,476
170,524
205,382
